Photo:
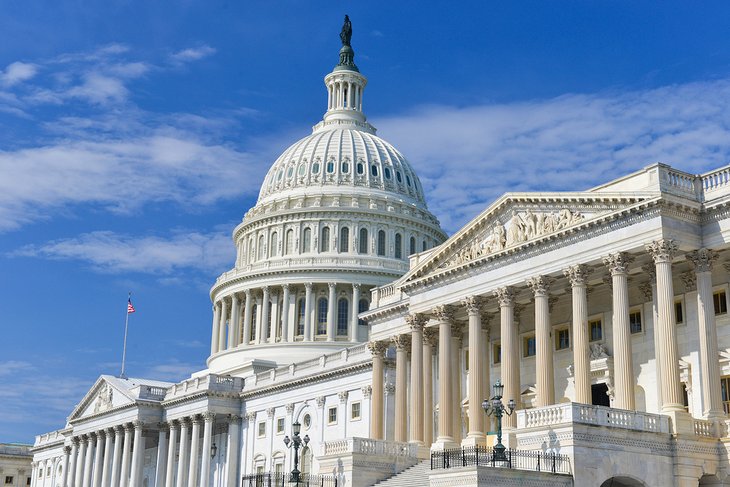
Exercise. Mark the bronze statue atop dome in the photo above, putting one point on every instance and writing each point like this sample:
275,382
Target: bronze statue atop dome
346,33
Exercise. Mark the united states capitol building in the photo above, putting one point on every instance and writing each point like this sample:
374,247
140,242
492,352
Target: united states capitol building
350,313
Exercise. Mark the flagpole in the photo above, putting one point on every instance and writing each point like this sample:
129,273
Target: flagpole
124,350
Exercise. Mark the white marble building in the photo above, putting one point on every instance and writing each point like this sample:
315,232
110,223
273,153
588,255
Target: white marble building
610,305
16,465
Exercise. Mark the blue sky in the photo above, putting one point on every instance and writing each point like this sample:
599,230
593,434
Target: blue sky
134,136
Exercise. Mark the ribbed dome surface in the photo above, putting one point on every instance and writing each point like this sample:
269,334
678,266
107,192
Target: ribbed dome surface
342,156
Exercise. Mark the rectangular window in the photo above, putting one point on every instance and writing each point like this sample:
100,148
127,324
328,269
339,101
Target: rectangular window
466,360
332,415
528,346
725,391
635,321
27,481
262,429
355,411
596,330
8,479
679,311
562,339
280,425
497,353
720,300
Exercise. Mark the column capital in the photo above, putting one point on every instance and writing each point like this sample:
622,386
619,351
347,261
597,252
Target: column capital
234,419
290,408
662,250
457,331
473,304
118,429
415,321
540,285
367,391
163,426
67,450
331,285
577,274
128,427
342,395
320,401
137,424
518,309
646,290
308,286
649,270
618,263
285,287
251,416
505,296
378,348
356,286
196,419
265,289
430,336
444,313
689,279
270,412
247,292
208,416
486,319
702,259
401,342
184,422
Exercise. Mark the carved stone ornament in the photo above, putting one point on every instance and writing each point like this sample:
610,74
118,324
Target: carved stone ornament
649,270
234,419
104,399
320,401
377,349
702,259
402,342
430,336
343,396
520,228
270,412
444,313
367,391
577,274
389,389
689,279
208,416
646,290
472,304
415,321
618,263
505,296
540,285
662,251
290,408
251,416
598,351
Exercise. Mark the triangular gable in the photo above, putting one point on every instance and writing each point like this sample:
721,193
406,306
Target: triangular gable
521,219
107,393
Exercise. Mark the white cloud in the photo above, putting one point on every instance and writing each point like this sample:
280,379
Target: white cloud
192,54
18,72
468,156
110,252
12,367
99,89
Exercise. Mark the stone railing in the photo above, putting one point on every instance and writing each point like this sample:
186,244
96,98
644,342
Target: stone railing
595,415
17,450
704,428
210,382
385,294
716,180
366,446
151,392
695,186
352,355
45,438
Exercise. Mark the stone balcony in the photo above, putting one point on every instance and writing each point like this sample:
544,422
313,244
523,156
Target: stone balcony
210,382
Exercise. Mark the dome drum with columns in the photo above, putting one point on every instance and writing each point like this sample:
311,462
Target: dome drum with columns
338,213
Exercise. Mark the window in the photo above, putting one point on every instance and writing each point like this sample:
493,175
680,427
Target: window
412,249
374,170
398,176
595,328
355,411
307,421
301,169
345,167
331,167
497,352
344,239
424,247
360,168
343,310
290,172
254,310
262,429
562,339
262,250
307,240
274,244
679,311
27,481
324,244
408,180
322,316
9,479
387,172
635,321
362,306
398,246
725,390
363,243
720,300
528,346
315,168
289,242
280,174
279,425
301,309
381,242
332,415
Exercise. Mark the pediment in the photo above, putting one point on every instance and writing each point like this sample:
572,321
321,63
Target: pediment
103,396
519,220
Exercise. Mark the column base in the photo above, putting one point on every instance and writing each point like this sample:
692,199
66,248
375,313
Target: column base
444,443
474,440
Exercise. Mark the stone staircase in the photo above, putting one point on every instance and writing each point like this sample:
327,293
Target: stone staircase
415,476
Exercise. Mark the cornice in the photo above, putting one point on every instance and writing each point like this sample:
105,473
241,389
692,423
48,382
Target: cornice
138,403
176,401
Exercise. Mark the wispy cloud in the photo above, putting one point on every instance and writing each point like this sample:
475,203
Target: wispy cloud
468,156
17,72
114,253
192,54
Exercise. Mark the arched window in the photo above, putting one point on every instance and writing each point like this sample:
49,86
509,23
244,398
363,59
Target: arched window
301,308
344,239
324,244
254,310
331,167
412,246
322,316
360,168
288,242
343,309
381,242
374,170
424,246
269,329
262,248
362,306
307,240
274,244
251,250
363,243
398,246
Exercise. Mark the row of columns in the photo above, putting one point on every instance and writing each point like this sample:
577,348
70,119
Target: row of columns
344,94
421,402
227,316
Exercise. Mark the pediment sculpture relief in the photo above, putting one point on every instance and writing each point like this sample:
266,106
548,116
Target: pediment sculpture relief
104,399
520,228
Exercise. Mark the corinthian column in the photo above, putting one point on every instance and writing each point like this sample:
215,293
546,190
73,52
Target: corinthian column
214,333
194,452
702,260
66,456
234,434
376,421
510,351
126,451
138,455
577,274
402,343
117,460
108,451
662,251
234,330
445,317
171,454
182,461
429,340
308,312
89,460
457,337
98,458
623,369
476,434
285,312
543,345
208,419
161,466
416,324
265,325
331,312
355,312
247,318
222,325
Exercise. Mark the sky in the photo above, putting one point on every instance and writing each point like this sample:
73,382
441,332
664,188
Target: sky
134,136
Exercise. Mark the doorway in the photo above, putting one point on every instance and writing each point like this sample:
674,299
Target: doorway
599,395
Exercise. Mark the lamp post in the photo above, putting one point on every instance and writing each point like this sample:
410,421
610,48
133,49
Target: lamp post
495,407
296,442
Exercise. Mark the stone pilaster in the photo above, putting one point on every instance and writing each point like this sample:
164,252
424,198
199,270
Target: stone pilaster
247,318
355,312
332,312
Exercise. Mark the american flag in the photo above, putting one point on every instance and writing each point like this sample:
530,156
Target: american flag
130,308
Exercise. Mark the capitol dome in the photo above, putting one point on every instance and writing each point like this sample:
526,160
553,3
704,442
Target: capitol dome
338,214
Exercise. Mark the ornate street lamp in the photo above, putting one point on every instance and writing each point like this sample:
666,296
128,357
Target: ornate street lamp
296,442
495,407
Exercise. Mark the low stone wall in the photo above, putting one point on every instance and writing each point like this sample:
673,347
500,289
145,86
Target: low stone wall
488,477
